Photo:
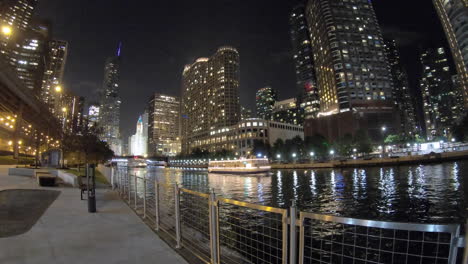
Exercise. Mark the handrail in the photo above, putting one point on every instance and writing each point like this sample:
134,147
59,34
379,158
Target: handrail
204,195
253,206
448,228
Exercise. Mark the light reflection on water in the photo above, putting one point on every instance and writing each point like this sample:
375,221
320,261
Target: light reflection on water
425,193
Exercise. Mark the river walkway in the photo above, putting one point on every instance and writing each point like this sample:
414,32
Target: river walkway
67,233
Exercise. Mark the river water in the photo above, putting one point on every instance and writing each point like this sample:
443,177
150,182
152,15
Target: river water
435,193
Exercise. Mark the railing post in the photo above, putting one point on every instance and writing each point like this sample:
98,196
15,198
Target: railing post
144,198
214,228
129,188
465,251
136,190
156,204
292,234
177,214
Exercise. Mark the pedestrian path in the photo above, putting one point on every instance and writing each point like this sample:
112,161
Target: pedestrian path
67,233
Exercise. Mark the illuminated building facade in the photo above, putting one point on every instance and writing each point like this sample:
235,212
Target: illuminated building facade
109,109
93,115
245,113
265,100
240,138
401,90
53,75
288,111
210,97
138,143
164,126
15,17
439,93
352,72
304,62
454,17
29,55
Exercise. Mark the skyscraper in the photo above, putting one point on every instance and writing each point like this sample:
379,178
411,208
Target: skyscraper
304,63
454,17
287,111
138,143
53,75
163,125
15,17
93,115
29,54
401,90
265,100
353,75
109,109
210,97
17,14
438,93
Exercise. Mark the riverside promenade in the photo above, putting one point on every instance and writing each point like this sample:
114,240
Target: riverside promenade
67,233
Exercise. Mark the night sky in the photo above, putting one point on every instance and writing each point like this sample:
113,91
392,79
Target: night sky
160,37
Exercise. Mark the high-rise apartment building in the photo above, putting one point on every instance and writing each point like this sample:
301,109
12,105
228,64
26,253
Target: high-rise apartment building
438,93
51,91
210,97
304,62
164,125
454,17
110,101
288,111
93,115
17,14
401,90
15,18
353,75
265,100
245,113
29,54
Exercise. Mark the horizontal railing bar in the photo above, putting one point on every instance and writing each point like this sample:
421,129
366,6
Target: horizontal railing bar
253,206
204,195
449,228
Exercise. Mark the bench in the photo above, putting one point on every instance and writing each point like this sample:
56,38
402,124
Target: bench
45,179
83,187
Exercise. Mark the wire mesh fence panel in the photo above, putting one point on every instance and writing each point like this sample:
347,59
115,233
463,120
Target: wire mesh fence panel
328,239
167,209
251,233
150,200
195,223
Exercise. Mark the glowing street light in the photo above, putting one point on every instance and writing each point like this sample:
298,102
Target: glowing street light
354,150
332,152
259,155
278,156
453,139
294,155
384,128
312,154
64,109
7,31
58,88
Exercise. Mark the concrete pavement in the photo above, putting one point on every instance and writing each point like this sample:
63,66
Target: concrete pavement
67,233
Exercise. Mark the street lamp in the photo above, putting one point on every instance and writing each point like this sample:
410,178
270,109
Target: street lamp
312,154
332,152
58,88
6,30
294,155
278,156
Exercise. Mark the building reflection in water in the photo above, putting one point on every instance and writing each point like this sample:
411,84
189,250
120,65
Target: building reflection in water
426,193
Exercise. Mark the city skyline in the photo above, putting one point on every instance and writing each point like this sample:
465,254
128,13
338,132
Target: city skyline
255,73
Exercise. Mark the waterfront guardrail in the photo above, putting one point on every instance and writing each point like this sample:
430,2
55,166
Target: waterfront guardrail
220,230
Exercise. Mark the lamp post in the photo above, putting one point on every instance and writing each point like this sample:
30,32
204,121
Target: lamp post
384,129
332,153
312,155
294,157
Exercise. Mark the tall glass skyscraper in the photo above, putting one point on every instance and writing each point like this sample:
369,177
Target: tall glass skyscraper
163,125
304,63
439,94
454,17
353,75
401,90
109,110
265,100
53,74
210,96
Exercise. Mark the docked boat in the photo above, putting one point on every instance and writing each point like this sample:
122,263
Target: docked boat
244,166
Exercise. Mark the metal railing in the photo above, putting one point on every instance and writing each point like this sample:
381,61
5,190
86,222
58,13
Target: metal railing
220,230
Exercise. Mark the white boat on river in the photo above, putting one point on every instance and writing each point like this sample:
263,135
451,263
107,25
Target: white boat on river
239,166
